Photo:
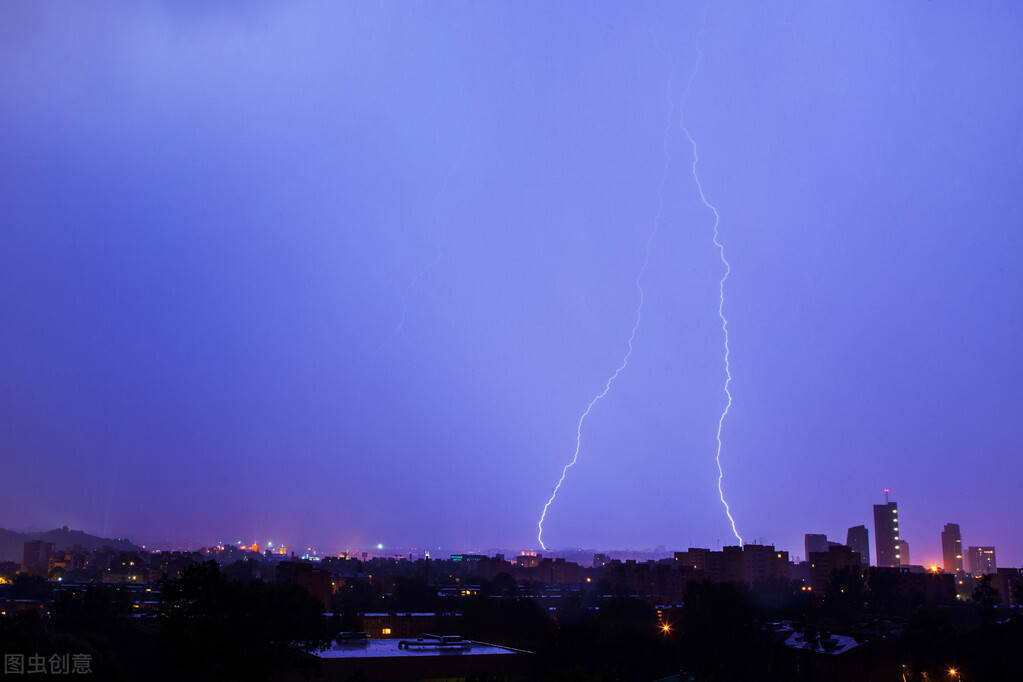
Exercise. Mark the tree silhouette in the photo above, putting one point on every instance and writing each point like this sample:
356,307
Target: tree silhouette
215,628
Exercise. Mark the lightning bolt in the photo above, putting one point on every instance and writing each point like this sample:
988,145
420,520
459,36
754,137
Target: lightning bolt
721,296
641,297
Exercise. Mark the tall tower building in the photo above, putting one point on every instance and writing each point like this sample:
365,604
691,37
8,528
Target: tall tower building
886,533
37,557
982,561
952,549
814,542
858,540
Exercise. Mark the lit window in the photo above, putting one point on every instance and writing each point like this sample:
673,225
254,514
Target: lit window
385,631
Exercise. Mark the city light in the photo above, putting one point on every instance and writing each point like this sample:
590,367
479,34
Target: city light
666,628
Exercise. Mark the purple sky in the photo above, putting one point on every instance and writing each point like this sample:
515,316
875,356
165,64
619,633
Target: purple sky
349,274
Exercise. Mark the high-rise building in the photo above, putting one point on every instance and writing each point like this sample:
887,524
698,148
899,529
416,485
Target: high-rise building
903,549
748,563
952,548
760,562
699,558
37,557
528,559
886,534
858,540
1009,584
981,561
836,558
815,542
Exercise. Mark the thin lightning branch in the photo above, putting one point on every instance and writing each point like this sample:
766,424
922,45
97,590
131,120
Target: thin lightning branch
641,296
721,297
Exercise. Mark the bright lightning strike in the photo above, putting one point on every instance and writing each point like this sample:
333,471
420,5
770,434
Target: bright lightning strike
721,305
629,344
586,413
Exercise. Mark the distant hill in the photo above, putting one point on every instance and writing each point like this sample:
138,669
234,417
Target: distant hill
12,543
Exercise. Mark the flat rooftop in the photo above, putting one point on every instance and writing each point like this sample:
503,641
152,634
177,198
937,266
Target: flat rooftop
388,648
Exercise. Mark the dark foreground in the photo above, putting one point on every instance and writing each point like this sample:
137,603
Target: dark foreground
207,626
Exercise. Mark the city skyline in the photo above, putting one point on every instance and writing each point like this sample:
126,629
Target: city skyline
951,559
349,275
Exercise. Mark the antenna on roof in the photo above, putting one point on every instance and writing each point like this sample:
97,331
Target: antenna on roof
885,491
